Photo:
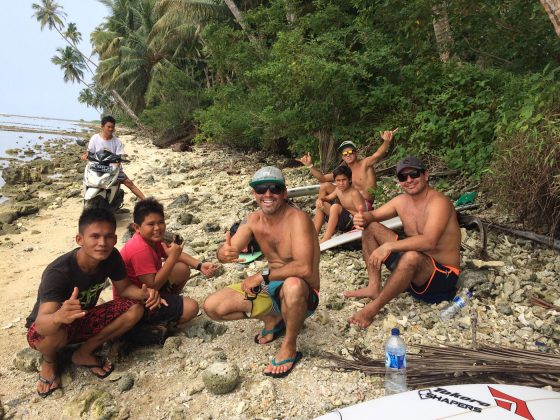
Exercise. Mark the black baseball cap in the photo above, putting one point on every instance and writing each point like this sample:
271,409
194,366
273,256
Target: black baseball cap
410,162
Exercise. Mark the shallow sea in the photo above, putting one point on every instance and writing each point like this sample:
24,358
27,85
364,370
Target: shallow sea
24,132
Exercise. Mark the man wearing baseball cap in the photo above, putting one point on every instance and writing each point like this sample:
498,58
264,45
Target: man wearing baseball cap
363,174
287,291
426,261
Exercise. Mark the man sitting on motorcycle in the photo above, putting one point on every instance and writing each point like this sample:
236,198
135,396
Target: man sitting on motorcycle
143,255
106,141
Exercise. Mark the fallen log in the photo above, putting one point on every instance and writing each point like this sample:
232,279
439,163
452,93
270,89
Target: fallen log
532,236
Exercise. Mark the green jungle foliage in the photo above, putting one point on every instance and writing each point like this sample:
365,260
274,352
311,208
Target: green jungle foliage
304,75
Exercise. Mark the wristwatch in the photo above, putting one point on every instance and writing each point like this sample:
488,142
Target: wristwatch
265,273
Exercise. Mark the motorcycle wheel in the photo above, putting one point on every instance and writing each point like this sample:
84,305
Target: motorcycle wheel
97,203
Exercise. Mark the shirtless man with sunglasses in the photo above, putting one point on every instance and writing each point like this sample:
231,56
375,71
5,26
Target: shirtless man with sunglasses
363,175
287,291
426,261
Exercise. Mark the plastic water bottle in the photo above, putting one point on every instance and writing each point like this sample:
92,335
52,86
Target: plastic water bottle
395,364
455,305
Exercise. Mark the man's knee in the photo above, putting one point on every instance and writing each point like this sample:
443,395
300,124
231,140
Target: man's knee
190,309
335,209
211,307
133,314
294,289
48,343
410,259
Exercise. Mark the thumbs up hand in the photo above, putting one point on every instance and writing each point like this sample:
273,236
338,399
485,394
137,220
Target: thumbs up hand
227,252
70,310
359,218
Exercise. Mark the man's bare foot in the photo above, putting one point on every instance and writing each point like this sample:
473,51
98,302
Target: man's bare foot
364,292
49,381
91,361
281,365
362,318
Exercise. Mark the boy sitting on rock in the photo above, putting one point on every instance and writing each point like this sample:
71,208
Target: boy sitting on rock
339,214
143,255
65,311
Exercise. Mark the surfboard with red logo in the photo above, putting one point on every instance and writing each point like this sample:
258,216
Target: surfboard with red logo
458,402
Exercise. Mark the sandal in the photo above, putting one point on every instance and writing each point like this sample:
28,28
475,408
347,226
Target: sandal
100,365
277,331
292,360
49,382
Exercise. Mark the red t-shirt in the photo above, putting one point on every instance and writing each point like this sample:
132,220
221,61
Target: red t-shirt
140,258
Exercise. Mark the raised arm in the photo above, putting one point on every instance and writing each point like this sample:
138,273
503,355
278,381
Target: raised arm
387,137
320,176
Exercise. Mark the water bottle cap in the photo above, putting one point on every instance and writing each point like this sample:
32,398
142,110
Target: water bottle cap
395,331
469,294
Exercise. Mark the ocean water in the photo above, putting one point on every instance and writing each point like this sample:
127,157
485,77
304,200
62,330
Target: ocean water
23,132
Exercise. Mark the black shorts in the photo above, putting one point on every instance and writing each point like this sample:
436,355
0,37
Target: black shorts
442,284
170,313
345,221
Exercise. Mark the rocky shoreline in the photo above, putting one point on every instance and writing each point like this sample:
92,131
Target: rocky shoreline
205,191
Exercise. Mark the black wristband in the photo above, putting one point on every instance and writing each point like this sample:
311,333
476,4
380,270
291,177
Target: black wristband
198,266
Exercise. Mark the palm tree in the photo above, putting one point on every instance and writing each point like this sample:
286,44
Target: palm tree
71,63
140,36
442,31
552,8
51,14
72,34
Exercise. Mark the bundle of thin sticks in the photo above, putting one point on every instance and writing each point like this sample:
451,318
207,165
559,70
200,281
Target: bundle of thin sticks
451,365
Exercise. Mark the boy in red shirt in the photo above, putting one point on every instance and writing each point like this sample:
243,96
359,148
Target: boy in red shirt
143,255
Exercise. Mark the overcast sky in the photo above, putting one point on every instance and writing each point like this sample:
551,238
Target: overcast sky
29,83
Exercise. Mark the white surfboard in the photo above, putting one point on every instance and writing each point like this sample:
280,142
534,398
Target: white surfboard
356,234
303,191
458,402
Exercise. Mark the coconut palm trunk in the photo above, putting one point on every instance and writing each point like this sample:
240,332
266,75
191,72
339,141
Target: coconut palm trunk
327,151
442,31
552,8
239,18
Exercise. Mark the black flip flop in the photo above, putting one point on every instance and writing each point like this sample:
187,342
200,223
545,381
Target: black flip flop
49,383
292,360
99,365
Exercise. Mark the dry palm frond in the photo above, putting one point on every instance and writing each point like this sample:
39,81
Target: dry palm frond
453,364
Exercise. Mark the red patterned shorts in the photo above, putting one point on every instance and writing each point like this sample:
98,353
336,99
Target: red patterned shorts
84,328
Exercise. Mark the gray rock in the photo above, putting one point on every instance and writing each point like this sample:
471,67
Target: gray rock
205,329
171,345
175,184
472,278
180,201
126,382
27,209
335,302
94,403
211,227
2,412
185,218
221,377
505,309
8,216
28,360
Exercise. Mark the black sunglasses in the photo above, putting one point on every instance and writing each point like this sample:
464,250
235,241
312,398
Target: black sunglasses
413,174
273,188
